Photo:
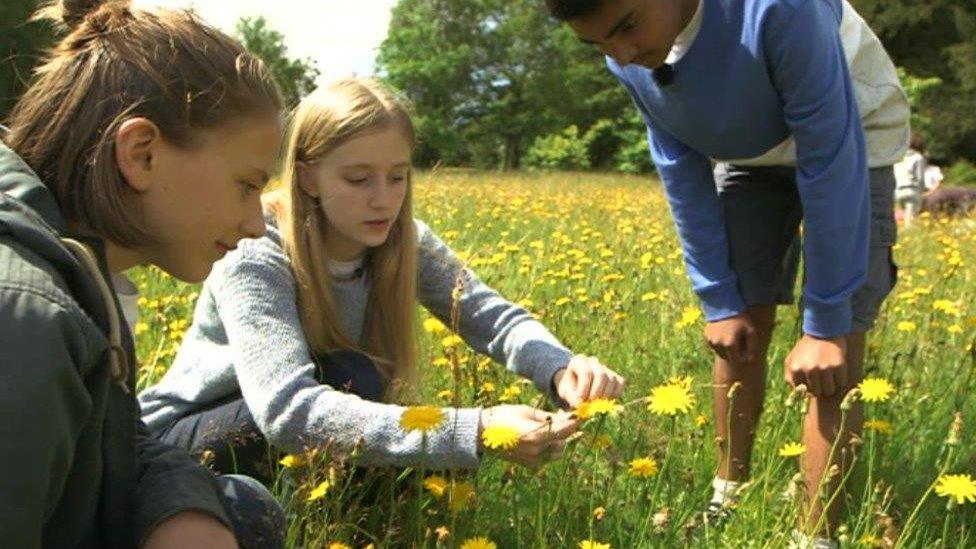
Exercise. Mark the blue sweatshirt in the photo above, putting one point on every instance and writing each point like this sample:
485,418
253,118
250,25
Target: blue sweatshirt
759,72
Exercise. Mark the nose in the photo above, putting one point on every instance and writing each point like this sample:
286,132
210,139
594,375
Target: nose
622,53
382,195
253,224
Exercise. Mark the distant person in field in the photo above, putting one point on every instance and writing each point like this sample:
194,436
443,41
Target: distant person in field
305,338
910,179
144,138
801,108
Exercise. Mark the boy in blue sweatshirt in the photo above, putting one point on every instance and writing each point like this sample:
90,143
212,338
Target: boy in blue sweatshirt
799,107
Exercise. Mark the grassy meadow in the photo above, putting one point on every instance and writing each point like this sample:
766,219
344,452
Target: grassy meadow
595,257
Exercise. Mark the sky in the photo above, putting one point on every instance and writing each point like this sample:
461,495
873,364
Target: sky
341,36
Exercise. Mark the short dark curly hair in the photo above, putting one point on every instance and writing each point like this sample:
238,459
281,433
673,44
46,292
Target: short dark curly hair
565,10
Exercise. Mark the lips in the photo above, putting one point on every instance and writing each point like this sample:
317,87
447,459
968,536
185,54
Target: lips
378,223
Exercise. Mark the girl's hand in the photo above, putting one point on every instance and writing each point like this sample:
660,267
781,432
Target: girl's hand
584,379
191,530
542,435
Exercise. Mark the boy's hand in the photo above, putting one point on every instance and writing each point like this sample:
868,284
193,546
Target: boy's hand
191,530
821,364
733,339
542,435
584,378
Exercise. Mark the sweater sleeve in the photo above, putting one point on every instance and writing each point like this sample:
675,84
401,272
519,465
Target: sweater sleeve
256,301
806,60
689,186
488,322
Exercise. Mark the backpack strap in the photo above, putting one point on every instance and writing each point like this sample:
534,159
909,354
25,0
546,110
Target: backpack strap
117,356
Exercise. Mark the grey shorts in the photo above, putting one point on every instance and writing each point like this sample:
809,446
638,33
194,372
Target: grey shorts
762,219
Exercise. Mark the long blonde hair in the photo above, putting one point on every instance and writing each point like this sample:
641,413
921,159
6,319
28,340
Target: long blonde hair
326,119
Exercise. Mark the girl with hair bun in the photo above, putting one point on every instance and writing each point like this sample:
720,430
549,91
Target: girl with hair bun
145,138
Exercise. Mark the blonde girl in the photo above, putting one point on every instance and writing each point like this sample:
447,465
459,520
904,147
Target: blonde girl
303,337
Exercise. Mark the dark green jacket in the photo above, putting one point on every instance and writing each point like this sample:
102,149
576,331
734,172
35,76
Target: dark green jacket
78,467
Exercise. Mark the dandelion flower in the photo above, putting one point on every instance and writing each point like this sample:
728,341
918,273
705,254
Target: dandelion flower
906,326
451,341
879,426
421,418
701,420
670,400
338,545
792,449
600,406
960,487
644,467
876,389
500,437
479,542
436,485
291,461
434,326
590,544
319,491
689,316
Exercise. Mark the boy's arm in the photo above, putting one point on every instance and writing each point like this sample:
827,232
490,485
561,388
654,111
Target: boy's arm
689,186
806,60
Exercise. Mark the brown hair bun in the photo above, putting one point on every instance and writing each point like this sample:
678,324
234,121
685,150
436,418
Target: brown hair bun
70,14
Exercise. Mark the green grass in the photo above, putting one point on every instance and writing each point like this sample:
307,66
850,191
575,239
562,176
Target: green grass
606,243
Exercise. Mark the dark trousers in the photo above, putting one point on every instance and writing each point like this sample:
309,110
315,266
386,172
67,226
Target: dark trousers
225,434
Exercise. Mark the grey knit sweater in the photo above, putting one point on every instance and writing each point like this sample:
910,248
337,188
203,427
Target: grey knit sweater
247,336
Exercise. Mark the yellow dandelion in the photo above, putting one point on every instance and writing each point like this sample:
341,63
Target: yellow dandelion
792,449
436,485
421,418
600,406
562,301
500,437
946,306
689,316
960,487
879,426
338,545
479,542
954,329
591,544
451,341
906,326
461,493
434,326
876,389
644,467
701,420
291,461
670,400
319,491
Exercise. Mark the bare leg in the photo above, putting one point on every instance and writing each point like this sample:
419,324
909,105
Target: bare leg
820,430
737,431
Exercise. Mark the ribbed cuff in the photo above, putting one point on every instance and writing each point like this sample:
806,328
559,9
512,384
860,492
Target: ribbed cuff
824,321
721,302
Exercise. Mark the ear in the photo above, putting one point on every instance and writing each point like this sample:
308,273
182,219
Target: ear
135,142
306,178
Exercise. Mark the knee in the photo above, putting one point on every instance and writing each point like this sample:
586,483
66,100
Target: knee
256,516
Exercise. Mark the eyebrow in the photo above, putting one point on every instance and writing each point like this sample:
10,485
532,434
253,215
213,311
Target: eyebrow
371,166
262,175
615,29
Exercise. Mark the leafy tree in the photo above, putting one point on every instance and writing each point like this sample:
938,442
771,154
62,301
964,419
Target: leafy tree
295,76
21,45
